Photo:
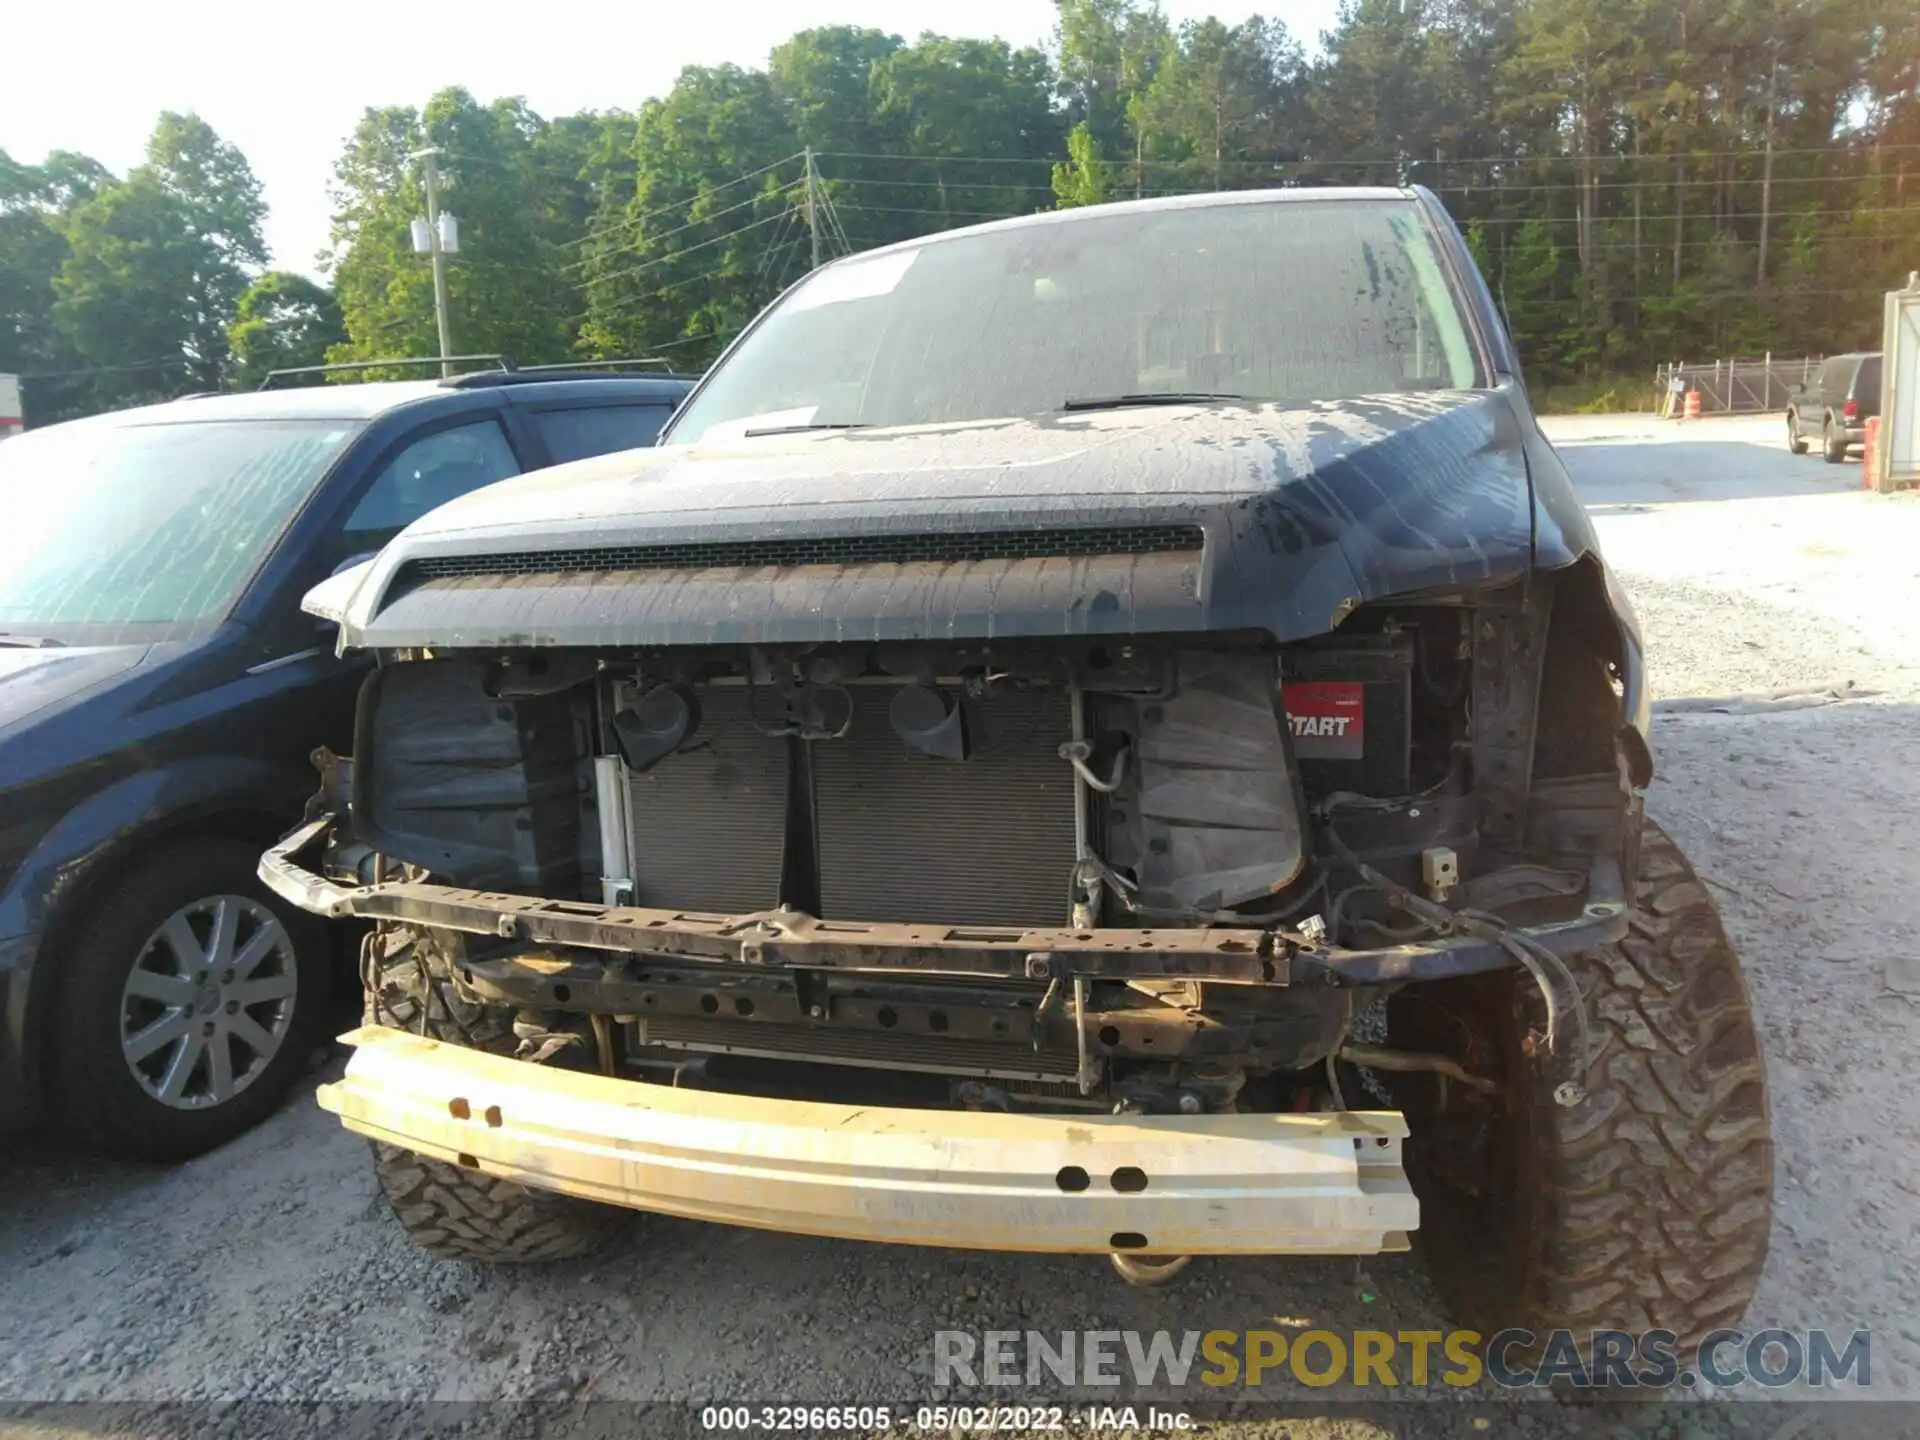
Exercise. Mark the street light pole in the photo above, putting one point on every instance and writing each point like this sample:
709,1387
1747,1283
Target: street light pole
435,249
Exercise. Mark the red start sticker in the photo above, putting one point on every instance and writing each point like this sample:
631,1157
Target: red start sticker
1328,718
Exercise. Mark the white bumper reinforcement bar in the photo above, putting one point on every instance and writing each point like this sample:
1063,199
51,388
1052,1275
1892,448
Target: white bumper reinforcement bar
1155,1185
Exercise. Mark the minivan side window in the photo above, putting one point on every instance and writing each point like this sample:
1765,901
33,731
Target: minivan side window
599,429
432,470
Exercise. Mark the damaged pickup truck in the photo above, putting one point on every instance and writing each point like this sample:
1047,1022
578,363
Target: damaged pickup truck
1107,732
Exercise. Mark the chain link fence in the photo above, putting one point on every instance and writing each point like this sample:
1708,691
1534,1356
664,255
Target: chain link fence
1734,386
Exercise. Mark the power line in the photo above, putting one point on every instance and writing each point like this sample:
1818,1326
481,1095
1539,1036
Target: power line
951,214
688,340
1656,185
675,255
679,229
850,180
1382,163
1748,294
776,243
1779,215
163,362
678,204
1660,247
633,302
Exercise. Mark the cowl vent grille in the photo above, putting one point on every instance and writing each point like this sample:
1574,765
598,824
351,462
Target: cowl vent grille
957,548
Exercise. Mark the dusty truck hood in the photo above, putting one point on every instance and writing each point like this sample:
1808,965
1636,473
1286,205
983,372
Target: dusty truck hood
1305,512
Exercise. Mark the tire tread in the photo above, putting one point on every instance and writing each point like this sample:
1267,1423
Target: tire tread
449,1211
1658,1194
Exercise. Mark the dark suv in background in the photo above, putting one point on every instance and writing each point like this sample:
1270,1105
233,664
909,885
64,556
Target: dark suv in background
1835,405
160,695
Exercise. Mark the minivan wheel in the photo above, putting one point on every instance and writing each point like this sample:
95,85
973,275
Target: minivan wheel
1796,442
1833,444
186,1005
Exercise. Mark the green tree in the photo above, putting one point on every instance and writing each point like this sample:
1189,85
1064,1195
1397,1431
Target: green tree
155,264
982,102
1110,51
519,192
681,267
823,81
34,200
1532,287
283,320
220,202
1084,178
1229,98
128,297
1650,179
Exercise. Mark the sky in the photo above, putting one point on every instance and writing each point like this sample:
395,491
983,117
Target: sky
288,84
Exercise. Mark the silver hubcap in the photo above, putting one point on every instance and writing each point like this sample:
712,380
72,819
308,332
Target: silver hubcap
208,1002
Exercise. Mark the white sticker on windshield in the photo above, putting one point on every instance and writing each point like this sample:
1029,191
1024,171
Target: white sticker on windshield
854,280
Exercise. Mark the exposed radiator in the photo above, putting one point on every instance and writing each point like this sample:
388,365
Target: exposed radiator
986,841
901,836
709,824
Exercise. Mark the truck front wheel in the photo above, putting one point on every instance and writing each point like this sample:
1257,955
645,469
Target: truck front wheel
454,1213
1648,1204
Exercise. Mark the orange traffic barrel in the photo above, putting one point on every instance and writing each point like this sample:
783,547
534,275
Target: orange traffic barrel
1692,410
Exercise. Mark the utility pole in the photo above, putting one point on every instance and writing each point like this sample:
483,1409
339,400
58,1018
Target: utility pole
1766,176
813,207
437,248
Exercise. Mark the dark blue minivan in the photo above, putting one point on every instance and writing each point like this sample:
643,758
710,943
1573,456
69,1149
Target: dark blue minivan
161,694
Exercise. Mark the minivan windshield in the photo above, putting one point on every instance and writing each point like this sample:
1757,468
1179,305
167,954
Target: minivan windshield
1280,300
147,529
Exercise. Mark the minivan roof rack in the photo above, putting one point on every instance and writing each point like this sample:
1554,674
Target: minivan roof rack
502,363
510,374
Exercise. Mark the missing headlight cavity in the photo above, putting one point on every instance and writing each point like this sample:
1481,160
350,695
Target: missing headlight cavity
489,789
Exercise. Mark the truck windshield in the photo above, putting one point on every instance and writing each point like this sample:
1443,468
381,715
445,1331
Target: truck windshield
1288,301
146,529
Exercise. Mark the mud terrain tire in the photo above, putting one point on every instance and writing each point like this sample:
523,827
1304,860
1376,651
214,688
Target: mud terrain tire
1649,1204
448,1211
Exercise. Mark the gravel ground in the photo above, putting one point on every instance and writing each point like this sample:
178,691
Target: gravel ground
269,1272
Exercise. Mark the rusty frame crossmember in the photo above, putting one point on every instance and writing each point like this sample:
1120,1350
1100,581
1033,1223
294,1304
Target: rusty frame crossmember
779,939
791,939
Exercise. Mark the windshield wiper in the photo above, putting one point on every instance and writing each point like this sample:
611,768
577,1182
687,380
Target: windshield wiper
32,642
802,429
1152,397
